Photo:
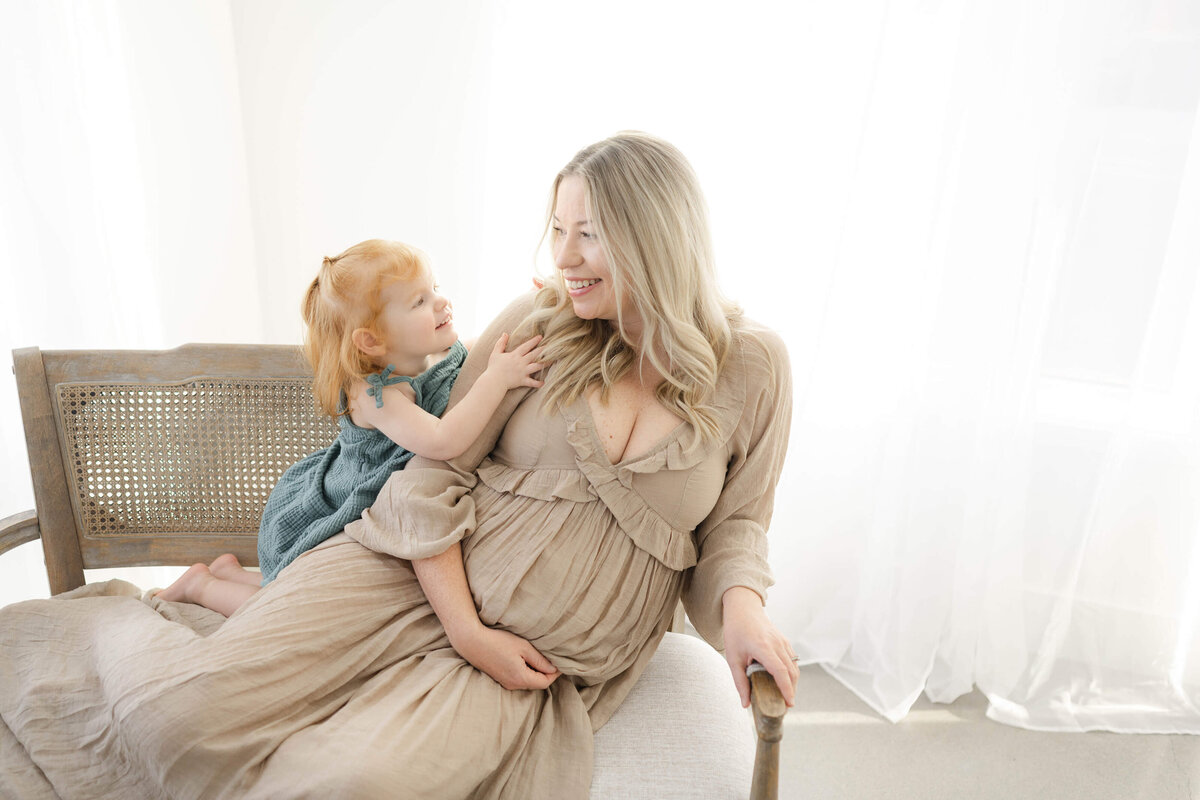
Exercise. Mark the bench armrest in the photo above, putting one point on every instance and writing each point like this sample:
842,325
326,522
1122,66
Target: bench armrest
769,709
18,529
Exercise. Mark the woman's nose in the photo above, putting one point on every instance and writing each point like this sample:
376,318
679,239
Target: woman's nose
567,255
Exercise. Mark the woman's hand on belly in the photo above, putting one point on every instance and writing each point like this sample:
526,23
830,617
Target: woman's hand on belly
506,658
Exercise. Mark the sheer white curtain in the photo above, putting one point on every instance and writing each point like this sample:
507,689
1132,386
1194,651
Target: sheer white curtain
973,222
123,199
994,470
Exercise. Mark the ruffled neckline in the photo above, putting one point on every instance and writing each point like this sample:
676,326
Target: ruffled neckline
595,476
667,451
679,449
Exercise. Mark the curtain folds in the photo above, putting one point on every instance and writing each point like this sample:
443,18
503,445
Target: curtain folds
1010,497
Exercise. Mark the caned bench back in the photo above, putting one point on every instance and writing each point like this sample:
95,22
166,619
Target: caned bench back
160,457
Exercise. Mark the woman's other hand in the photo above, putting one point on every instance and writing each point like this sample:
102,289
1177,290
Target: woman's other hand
506,658
750,636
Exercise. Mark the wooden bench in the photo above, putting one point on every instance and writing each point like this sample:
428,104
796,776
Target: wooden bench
167,457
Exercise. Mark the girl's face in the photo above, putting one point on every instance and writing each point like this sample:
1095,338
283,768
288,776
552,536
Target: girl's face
580,258
415,321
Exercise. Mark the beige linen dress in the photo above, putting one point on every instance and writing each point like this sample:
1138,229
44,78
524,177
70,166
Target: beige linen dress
336,680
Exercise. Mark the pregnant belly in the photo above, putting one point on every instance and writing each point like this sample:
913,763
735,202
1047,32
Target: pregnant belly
564,576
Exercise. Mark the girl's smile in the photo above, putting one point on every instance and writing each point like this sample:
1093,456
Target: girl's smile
415,323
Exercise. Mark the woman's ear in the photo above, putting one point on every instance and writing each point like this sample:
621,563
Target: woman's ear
367,342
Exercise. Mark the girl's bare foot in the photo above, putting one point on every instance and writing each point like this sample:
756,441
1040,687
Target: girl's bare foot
222,565
198,585
187,587
228,568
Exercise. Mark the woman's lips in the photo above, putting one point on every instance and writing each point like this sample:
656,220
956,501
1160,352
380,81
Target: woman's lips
577,287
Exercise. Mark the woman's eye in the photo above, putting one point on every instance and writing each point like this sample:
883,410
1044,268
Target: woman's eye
584,235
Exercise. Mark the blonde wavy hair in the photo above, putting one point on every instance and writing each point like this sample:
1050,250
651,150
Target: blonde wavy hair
649,215
342,298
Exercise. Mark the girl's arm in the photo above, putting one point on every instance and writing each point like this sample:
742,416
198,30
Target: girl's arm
440,439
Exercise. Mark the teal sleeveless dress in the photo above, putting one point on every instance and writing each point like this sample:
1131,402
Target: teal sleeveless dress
320,494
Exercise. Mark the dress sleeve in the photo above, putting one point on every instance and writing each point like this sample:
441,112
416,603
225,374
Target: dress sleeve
733,538
426,507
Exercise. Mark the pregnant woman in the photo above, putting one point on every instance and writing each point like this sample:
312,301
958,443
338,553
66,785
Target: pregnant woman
641,472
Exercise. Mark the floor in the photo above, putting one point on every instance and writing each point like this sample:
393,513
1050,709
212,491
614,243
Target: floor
835,747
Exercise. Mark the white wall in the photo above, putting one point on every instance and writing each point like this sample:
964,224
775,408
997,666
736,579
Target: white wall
444,124
363,120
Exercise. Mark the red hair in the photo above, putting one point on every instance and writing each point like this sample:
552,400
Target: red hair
343,298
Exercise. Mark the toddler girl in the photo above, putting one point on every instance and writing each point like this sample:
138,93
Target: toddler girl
384,353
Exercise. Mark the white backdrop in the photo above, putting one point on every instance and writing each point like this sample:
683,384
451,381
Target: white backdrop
973,222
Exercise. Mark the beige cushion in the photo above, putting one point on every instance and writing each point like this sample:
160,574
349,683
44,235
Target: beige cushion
681,733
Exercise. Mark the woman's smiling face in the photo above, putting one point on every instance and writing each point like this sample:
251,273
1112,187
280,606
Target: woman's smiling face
580,258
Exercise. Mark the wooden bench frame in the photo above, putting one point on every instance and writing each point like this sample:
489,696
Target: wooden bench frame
70,546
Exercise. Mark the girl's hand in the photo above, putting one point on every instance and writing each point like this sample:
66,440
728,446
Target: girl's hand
516,368
750,636
507,659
